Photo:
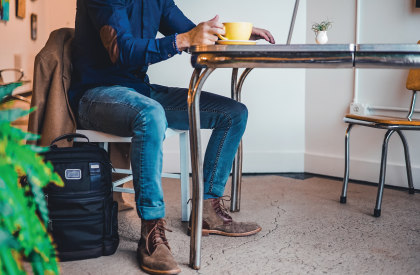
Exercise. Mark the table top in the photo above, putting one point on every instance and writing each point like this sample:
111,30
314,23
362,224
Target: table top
401,48
387,56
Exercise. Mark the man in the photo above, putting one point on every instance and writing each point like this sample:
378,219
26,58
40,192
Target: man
115,42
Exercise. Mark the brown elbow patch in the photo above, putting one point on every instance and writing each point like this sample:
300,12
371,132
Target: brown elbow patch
109,39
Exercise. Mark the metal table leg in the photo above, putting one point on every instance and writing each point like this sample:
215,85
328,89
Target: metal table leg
235,204
194,92
236,89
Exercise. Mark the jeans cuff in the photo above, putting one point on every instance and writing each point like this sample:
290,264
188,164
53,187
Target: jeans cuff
151,213
210,196
216,191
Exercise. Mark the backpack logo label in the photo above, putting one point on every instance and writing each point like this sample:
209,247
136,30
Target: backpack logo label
73,174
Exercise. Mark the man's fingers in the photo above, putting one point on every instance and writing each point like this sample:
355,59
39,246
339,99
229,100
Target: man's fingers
217,31
209,42
271,38
215,19
212,38
263,35
267,36
214,24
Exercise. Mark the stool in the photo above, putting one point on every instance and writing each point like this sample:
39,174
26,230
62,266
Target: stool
103,139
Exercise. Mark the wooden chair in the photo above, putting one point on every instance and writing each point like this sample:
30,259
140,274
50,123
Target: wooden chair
104,139
392,124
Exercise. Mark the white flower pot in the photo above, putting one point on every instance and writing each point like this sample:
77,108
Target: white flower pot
321,37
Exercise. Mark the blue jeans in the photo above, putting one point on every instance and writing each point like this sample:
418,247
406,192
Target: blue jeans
124,112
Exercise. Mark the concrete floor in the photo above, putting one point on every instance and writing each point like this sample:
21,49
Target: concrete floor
305,231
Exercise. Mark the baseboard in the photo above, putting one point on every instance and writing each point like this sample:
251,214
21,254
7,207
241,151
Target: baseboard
298,162
362,170
270,162
253,162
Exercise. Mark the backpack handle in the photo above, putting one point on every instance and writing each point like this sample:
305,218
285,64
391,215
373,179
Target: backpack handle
69,137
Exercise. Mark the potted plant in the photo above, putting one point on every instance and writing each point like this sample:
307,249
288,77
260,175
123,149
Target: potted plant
23,210
320,30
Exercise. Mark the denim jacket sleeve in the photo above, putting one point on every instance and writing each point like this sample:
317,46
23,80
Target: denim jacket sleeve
173,20
111,21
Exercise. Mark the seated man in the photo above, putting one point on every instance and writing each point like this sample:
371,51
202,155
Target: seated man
114,44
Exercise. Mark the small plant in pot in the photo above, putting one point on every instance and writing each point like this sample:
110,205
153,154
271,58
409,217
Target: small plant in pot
320,30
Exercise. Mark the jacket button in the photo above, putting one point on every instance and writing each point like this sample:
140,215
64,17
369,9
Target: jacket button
169,55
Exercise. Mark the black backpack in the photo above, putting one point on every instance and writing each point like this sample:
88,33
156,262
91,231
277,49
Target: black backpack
83,216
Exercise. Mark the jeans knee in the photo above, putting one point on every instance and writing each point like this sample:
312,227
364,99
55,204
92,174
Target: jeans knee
153,119
239,113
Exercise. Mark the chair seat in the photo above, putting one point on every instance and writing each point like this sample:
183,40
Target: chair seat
390,120
95,136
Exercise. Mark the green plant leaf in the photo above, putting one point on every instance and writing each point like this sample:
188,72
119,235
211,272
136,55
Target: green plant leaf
5,210
7,239
7,89
323,26
13,114
23,210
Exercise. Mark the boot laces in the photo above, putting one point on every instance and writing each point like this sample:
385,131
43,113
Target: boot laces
158,234
220,208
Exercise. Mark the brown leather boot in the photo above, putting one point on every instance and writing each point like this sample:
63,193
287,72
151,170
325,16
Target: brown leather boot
154,252
216,220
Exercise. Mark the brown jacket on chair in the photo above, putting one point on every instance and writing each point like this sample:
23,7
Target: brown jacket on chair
52,76
53,116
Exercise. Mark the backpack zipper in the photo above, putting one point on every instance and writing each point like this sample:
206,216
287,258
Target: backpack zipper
97,196
50,221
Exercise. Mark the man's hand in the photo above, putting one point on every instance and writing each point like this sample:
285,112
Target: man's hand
203,34
258,33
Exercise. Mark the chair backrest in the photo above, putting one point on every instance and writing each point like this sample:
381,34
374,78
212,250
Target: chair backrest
413,79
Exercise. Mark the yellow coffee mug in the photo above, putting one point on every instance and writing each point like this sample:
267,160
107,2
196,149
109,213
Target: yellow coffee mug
237,31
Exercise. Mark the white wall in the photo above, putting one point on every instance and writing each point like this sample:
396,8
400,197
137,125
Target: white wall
274,139
15,35
329,92
61,13
295,121
15,38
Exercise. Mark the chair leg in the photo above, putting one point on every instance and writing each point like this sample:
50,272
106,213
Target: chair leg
185,178
104,145
343,198
407,162
377,211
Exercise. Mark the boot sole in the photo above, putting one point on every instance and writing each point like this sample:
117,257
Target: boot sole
206,232
158,272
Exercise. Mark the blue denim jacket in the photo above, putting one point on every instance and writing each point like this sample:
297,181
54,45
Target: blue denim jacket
115,42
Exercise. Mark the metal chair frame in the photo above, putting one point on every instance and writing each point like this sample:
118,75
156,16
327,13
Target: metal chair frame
391,129
104,139
22,74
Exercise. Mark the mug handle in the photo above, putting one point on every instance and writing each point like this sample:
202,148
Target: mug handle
221,36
